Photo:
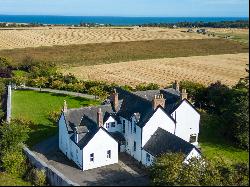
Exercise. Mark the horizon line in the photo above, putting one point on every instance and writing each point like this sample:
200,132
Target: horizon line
126,16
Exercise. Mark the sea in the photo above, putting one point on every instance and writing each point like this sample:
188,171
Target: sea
117,21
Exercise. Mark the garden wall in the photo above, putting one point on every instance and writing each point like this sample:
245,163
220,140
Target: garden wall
54,177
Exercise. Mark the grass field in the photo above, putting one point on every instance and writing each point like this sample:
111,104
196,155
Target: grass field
103,53
10,180
215,147
239,35
227,68
36,107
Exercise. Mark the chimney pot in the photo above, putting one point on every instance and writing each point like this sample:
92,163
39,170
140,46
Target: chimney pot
184,94
177,86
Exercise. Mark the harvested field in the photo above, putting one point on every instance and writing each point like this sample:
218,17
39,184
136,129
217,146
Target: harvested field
105,53
228,68
35,37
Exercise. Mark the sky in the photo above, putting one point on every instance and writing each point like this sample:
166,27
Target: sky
150,8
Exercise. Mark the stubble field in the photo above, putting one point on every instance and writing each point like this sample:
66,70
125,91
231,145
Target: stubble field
36,37
227,68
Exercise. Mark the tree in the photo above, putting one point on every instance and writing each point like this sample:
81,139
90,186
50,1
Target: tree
169,169
13,135
166,169
218,96
41,82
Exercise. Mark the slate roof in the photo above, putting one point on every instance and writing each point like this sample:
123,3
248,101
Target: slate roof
136,103
84,121
141,102
162,142
118,136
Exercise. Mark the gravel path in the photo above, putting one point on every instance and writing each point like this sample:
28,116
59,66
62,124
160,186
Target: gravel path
76,94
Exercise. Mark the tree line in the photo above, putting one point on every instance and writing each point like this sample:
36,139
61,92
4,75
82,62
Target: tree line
221,24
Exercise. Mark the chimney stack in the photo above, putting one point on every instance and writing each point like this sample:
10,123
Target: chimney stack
184,94
75,134
158,100
115,101
176,86
65,108
99,117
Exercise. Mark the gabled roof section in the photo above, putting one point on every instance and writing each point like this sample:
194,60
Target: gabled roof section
141,103
179,104
74,116
163,141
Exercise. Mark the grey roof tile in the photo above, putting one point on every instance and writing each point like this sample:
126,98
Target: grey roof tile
163,141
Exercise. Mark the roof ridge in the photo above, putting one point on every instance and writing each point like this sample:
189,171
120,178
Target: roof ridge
93,106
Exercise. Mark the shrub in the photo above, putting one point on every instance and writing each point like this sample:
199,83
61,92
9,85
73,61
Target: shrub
144,87
13,162
37,177
53,116
13,135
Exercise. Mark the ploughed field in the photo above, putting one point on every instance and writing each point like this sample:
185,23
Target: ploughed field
227,68
50,36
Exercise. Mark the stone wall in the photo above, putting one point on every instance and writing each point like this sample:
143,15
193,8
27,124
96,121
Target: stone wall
54,177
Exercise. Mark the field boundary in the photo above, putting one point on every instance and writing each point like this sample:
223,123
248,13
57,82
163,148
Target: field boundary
63,92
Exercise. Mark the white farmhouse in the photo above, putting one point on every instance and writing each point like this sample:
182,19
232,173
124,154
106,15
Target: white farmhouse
144,124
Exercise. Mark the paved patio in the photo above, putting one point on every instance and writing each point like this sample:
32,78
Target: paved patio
126,173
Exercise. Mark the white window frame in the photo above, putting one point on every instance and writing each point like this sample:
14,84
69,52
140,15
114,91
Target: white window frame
92,157
109,154
134,127
148,157
107,125
134,148
191,136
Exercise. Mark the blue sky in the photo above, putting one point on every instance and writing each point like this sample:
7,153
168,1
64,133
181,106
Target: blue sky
168,8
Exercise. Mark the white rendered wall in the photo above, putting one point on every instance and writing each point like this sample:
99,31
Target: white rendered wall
131,137
144,160
63,137
99,145
188,121
109,128
75,154
159,119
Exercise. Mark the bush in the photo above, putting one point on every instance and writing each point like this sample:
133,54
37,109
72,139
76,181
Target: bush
144,87
37,177
13,135
53,116
13,162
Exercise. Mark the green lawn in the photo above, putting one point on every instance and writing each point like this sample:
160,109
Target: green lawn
37,106
215,147
10,180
